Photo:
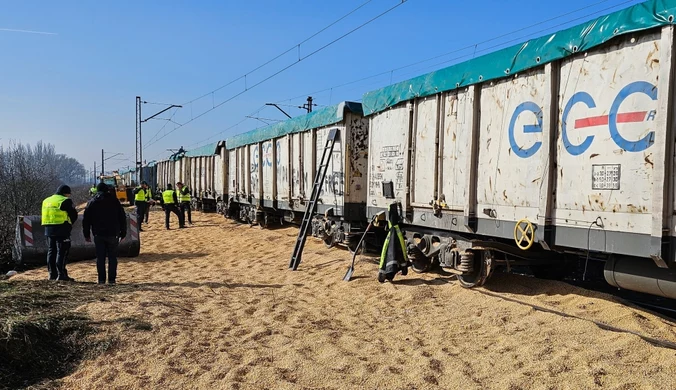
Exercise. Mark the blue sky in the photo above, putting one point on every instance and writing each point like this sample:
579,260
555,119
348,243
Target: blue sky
76,89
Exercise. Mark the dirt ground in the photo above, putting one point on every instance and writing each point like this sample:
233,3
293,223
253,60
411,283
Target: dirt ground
225,313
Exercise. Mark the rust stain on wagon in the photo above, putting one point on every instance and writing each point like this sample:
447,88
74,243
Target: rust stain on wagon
652,59
633,209
648,161
597,199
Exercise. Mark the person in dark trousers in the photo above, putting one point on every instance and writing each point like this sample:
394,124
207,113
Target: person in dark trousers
105,217
151,201
169,202
141,201
58,216
183,195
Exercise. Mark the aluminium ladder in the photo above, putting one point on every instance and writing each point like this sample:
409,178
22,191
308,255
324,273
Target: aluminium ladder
316,190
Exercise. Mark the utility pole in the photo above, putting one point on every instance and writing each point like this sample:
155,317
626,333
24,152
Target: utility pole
308,105
94,173
103,160
139,142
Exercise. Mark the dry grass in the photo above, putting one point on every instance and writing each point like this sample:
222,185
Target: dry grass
41,336
214,307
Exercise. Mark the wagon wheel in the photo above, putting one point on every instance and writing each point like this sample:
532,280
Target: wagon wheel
263,224
483,268
329,241
249,220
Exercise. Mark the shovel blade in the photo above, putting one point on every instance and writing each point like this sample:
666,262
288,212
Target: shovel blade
348,274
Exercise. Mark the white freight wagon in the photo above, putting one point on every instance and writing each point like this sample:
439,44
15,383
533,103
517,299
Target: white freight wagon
203,170
274,169
562,144
166,174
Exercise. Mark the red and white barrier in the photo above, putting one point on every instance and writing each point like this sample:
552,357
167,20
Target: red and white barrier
133,228
31,245
28,231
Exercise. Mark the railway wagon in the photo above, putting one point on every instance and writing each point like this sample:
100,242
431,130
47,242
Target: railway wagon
128,177
271,173
556,153
168,172
202,170
149,175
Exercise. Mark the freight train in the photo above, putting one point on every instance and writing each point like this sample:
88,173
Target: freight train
557,153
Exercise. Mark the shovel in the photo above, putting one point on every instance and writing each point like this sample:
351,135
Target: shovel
350,270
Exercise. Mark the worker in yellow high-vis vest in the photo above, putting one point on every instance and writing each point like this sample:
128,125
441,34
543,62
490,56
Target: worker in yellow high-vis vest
183,194
169,202
150,201
58,216
141,201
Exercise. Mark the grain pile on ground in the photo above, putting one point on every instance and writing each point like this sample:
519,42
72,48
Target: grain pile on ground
223,312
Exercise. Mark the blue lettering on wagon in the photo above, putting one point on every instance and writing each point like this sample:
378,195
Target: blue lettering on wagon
611,120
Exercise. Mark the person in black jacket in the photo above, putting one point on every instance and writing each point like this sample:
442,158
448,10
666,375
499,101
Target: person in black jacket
58,216
105,217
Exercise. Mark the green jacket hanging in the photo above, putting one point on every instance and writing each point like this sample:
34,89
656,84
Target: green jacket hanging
393,257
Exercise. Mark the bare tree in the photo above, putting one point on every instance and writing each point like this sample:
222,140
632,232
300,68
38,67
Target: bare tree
27,176
69,170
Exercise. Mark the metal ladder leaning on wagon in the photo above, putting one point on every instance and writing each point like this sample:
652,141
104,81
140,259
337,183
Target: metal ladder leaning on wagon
312,204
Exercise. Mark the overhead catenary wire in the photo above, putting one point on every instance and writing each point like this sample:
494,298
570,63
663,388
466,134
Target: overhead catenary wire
164,126
499,45
294,47
300,59
474,45
521,38
211,93
255,112
228,128
470,46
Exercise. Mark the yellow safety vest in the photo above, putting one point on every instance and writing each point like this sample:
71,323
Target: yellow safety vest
51,211
183,197
141,196
399,237
148,194
168,196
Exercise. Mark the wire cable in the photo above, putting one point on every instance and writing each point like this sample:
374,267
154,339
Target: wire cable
163,126
471,46
297,45
300,59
